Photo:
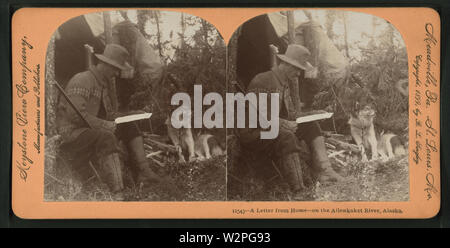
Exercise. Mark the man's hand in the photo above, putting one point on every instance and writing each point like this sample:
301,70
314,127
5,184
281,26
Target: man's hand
288,125
314,112
312,73
133,112
111,126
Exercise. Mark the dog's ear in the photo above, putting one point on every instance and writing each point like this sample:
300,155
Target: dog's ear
353,110
167,121
356,106
403,139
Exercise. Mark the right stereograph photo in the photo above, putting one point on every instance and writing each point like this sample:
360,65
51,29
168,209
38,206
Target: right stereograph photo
342,82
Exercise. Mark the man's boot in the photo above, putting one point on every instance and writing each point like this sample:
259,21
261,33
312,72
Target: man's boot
111,170
321,163
145,173
292,172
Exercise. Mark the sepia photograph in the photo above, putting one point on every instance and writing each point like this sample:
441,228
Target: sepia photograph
226,113
342,82
109,81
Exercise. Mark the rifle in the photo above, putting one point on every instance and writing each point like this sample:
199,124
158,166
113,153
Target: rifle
71,103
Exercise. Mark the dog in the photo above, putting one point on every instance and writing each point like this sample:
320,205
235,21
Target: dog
207,146
390,145
182,138
361,124
199,147
402,87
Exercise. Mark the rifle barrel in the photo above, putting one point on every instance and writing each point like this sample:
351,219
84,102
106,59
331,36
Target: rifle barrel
71,103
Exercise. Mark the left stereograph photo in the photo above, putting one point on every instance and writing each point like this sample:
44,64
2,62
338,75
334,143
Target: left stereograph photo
109,82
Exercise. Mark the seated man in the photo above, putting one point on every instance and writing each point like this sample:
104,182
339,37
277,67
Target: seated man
95,136
285,148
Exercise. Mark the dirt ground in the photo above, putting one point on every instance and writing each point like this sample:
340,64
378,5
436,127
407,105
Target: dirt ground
369,181
195,181
207,181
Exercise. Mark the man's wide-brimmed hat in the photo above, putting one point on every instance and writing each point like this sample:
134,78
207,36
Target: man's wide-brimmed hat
297,56
114,55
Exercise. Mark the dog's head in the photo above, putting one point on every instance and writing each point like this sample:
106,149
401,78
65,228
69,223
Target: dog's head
364,111
182,114
363,104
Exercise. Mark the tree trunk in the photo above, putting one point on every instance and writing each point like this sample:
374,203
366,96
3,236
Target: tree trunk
291,31
124,14
329,23
51,94
108,27
182,34
142,18
344,19
108,39
374,27
294,84
158,38
205,32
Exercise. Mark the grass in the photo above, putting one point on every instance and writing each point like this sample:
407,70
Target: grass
369,181
196,181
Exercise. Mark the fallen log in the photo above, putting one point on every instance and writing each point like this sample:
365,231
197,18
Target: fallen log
334,154
343,145
161,146
338,136
330,146
341,162
148,147
156,137
157,162
154,154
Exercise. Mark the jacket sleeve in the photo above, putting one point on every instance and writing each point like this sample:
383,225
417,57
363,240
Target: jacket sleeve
262,85
79,90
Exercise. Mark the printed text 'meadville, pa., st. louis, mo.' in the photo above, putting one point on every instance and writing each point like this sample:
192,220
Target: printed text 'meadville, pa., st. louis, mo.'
425,135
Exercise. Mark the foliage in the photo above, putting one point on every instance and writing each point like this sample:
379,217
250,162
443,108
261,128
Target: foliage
381,63
201,61
373,181
198,59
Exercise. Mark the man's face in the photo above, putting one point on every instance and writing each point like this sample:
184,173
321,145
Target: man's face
111,71
292,72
